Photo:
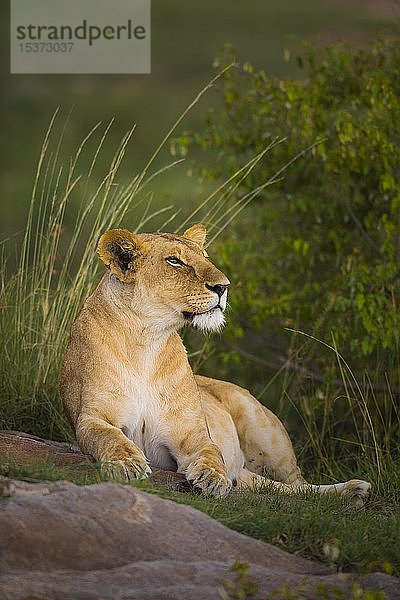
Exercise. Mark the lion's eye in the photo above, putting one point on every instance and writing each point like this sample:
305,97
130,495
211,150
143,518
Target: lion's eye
175,261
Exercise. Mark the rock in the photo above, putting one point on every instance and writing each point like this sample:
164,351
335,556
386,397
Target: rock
110,541
24,448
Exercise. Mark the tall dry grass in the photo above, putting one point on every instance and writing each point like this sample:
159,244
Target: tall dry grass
41,299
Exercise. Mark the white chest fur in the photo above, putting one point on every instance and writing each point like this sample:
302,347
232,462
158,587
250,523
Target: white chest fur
139,417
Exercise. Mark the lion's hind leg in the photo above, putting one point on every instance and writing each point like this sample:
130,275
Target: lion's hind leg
247,480
358,490
264,441
268,458
268,455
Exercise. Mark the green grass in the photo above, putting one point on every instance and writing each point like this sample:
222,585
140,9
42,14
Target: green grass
80,474
325,528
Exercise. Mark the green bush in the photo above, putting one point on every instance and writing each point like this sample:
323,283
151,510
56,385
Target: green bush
320,250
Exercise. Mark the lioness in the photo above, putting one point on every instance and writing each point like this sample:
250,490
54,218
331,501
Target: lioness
130,392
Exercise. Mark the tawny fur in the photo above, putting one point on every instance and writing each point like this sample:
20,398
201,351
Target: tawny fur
130,392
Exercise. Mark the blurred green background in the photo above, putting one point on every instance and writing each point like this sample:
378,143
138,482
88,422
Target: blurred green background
292,263
186,36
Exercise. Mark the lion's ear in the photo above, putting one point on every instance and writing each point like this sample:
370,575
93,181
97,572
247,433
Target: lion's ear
119,249
197,233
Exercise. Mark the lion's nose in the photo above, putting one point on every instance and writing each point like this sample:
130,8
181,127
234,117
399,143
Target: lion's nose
219,288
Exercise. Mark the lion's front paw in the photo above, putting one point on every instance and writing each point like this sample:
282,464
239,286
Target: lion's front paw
358,490
125,469
209,480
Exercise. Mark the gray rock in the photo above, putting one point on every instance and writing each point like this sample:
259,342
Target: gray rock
109,541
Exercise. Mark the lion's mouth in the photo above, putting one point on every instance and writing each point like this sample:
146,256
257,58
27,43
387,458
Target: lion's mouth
209,320
192,315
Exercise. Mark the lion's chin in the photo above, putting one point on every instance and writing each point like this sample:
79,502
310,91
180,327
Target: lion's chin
213,320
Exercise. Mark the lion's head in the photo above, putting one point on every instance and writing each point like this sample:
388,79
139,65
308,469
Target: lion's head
167,279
